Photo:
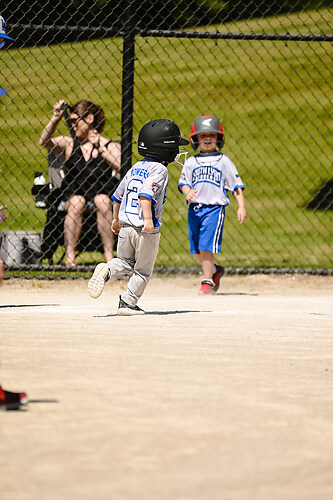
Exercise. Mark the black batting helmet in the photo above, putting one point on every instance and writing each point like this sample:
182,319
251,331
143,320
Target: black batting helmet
206,123
160,139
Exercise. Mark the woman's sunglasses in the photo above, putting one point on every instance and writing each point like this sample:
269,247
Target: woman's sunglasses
75,120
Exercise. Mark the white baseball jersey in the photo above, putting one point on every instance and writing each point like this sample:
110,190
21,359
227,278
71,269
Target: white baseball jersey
212,175
147,178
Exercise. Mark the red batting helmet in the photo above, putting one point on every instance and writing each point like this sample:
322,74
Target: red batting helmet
206,123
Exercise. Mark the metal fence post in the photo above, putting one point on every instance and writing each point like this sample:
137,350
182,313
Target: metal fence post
127,96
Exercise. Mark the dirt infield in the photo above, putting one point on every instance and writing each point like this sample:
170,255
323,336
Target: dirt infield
203,398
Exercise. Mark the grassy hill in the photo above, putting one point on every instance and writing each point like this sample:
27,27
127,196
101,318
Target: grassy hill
275,103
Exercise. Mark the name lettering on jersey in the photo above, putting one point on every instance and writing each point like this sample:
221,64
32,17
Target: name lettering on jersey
139,172
207,174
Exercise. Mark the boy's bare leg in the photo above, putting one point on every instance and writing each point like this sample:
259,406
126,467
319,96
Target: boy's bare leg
2,271
206,259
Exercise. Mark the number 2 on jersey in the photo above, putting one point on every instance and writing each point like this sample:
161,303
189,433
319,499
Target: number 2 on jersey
132,199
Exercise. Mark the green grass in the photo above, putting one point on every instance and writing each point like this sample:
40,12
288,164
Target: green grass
275,103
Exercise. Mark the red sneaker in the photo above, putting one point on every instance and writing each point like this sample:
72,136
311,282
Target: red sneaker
206,288
12,400
217,276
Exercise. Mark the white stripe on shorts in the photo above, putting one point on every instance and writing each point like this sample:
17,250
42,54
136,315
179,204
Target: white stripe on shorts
219,229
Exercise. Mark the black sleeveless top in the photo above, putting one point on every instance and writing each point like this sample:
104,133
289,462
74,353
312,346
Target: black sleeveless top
87,178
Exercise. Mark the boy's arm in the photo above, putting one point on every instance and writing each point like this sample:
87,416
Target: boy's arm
189,193
115,226
241,212
148,226
184,184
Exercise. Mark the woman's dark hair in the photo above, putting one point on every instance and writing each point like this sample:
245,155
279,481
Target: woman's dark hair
84,108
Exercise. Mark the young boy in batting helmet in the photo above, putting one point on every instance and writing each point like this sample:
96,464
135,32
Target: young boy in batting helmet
205,180
8,400
138,205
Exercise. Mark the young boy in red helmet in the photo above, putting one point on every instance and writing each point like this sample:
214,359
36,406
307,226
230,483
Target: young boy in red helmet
205,180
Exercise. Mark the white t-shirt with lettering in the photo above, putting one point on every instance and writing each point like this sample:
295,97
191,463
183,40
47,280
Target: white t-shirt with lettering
212,175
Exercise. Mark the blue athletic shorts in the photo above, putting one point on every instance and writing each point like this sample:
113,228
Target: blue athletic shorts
205,227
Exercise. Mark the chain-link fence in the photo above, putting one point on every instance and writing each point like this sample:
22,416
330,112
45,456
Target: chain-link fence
263,68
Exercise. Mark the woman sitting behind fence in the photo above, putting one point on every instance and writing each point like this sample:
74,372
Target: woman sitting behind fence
92,166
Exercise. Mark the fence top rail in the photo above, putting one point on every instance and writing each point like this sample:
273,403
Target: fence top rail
238,36
214,35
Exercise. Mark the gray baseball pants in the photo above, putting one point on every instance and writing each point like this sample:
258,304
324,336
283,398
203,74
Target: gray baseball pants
136,255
